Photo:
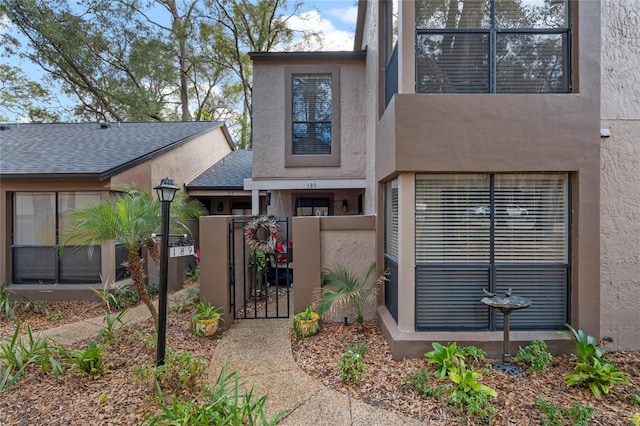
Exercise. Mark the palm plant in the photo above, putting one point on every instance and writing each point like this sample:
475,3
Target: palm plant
130,218
340,288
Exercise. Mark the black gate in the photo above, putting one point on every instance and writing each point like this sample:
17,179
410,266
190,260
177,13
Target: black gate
261,281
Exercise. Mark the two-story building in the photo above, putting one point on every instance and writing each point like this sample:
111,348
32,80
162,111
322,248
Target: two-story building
471,131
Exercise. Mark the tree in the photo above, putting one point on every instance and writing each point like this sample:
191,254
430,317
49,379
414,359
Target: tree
130,218
21,96
341,288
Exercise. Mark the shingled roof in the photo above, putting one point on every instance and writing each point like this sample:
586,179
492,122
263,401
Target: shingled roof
90,150
228,173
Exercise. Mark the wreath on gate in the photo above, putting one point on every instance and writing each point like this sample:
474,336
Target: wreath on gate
251,234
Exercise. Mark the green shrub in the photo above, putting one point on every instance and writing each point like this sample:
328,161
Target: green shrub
597,375
7,306
475,405
472,353
577,415
351,364
222,404
446,358
586,346
121,297
535,355
181,372
16,354
635,398
88,361
420,382
111,322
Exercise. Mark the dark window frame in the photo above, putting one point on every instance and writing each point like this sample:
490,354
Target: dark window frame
312,160
493,34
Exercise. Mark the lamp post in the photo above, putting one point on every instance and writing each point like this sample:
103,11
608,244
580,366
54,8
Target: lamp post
166,191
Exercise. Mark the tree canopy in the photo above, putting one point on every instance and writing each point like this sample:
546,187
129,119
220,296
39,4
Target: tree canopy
150,60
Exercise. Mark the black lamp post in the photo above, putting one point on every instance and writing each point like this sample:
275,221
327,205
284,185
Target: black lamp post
166,191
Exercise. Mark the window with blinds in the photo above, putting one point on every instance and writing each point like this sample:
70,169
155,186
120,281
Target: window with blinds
493,46
391,233
311,114
494,232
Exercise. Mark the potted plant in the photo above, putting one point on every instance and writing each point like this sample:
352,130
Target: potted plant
305,323
205,319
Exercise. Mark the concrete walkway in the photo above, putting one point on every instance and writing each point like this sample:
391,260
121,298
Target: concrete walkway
260,351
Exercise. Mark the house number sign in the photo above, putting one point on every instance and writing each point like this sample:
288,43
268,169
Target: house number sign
179,251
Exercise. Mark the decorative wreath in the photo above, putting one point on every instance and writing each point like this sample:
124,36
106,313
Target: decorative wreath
251,234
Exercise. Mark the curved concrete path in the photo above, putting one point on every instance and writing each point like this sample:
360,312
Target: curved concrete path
260,351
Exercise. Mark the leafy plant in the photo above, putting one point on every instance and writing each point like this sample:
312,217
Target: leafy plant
120,297
341,288
634,420
351,364
305,323
89,360
111,322
577,415
180,372
7,306
466,381
473,404
258,260
420,382
535,355
16,354
446,358
597,375
222,404
54,316
586,346
635,398
206,311
472,352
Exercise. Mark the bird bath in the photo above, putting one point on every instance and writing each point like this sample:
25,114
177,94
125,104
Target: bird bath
506,305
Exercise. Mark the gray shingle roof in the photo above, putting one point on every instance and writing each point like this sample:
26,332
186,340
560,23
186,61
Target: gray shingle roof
86,149
228,173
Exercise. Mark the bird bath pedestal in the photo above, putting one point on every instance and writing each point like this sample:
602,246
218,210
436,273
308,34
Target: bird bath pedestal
506,305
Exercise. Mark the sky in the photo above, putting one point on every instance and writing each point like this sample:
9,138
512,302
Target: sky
335,20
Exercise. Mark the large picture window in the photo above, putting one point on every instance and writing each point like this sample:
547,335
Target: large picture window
493,46
312,119
39,223
493,232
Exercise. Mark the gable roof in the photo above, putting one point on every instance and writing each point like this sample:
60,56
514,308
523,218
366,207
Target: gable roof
90,150
228,173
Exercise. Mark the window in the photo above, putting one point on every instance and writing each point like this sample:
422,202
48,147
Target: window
493,232
391,233
312,119
39,222
493,46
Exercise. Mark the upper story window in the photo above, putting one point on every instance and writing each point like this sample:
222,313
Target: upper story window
493,46
312,119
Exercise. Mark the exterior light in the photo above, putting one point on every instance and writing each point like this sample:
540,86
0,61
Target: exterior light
166,191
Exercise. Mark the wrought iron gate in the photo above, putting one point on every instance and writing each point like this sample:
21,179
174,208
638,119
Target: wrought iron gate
261,283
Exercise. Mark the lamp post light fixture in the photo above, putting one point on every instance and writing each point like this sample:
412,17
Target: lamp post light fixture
166,191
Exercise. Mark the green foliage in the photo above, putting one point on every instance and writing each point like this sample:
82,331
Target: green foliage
55,315
341,288
472,353
221,404
634,420
16,354
635,398
149,342
181,372
474,404
205,310
586,346
597,375
535,355
111,322
446,358
120,297
420,382
577,415
7,306
88,361
258,260
590,370
466,381
351,363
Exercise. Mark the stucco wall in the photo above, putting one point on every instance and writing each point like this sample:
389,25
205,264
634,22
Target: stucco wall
620,174
269,123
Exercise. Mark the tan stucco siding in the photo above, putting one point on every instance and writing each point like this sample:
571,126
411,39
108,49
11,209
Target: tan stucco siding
269,123
180,164
620,175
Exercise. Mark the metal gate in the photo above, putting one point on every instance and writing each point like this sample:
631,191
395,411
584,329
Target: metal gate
261,283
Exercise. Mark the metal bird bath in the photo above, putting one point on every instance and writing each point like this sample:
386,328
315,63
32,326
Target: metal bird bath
506,305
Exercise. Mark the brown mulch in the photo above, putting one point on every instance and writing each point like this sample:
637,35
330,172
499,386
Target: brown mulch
113,399
383,379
